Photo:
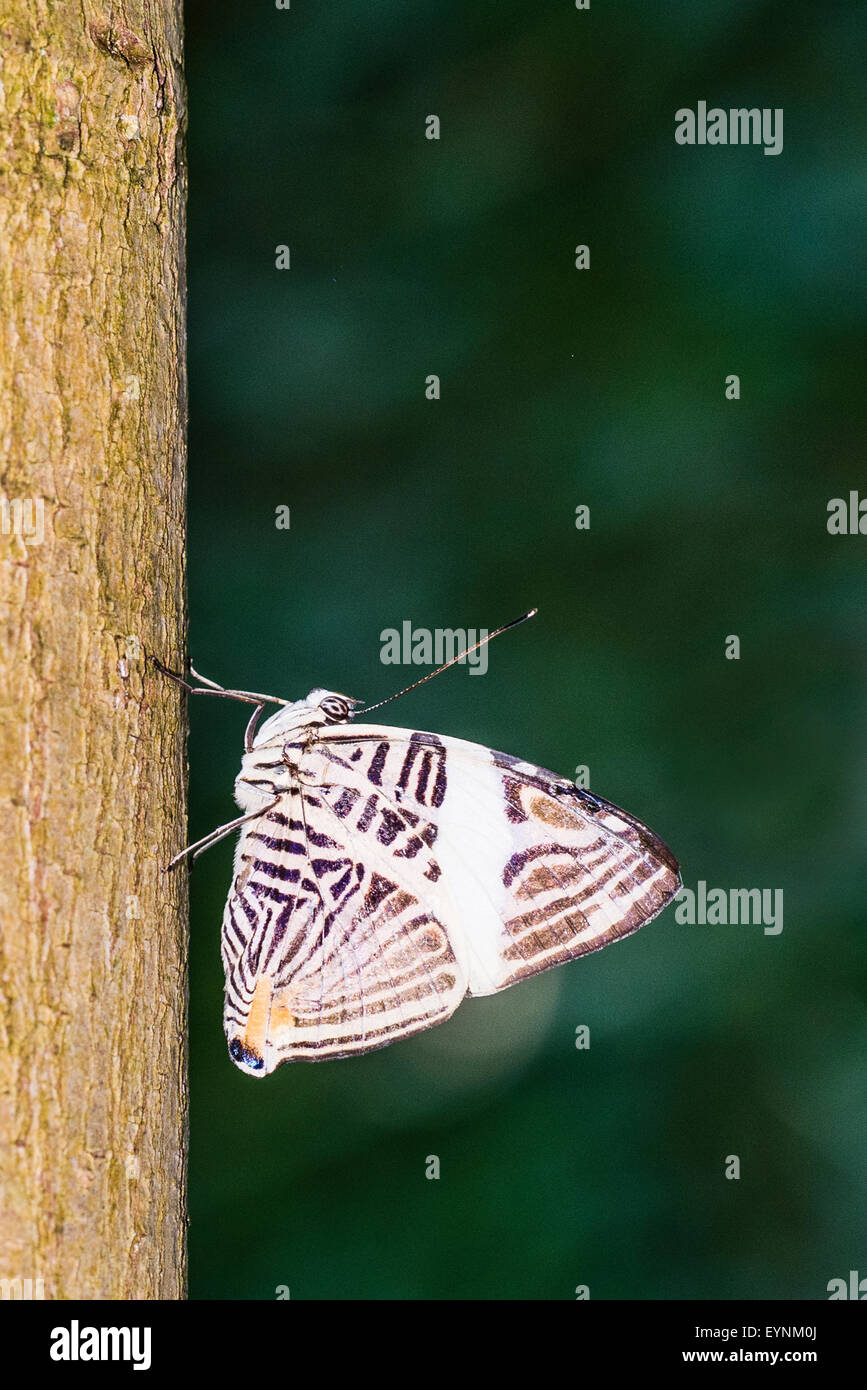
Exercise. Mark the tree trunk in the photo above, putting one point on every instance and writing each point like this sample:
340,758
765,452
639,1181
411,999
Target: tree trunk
92,764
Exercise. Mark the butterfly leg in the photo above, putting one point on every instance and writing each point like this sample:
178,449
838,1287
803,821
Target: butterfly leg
247,697
203,680
251,728
172,675
220,833
211,687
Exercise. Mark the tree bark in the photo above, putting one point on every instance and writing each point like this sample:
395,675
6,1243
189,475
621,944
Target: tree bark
92,763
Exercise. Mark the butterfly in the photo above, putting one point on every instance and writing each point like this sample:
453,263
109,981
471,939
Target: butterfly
381,875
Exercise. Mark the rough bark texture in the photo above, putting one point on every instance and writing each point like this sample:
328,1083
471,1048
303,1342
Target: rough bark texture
92,770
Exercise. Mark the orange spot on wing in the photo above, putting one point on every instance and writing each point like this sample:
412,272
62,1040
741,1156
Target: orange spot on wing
257,1022
282,1020
552,813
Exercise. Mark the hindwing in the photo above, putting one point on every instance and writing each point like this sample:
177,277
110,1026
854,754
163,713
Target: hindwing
330,947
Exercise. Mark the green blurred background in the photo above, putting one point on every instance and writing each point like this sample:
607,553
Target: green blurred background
708,517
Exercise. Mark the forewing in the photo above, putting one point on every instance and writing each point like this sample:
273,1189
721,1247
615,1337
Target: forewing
333,938
537,871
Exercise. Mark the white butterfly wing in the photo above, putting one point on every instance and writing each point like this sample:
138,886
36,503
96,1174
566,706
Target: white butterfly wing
333,942
560,874
403,870
538,871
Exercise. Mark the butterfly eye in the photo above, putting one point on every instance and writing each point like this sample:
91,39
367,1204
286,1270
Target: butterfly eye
336,709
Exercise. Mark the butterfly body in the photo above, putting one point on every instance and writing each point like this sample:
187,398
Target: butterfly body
386,873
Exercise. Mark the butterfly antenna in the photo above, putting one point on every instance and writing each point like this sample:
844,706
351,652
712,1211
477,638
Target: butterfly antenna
367,709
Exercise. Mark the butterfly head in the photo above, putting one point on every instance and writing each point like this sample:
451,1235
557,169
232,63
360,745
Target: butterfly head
319,707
